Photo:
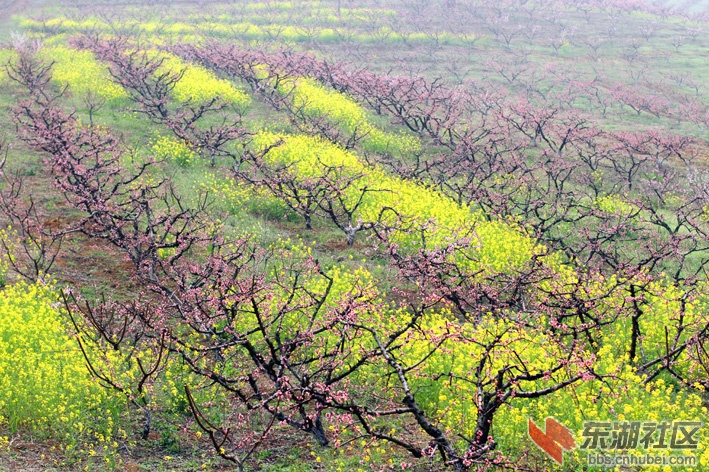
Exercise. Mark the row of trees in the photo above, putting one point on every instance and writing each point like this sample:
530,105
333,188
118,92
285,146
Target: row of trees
288,342
578,188
285,342
649,81
619,204
613,190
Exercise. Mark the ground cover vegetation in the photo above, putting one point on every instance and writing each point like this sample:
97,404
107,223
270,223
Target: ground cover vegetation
328,235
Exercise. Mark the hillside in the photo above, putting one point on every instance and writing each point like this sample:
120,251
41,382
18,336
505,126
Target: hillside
335,235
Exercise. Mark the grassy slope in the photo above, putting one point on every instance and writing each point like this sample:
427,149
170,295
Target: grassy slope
446,61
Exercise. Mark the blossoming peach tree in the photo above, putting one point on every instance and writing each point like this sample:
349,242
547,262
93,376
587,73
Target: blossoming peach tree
496,313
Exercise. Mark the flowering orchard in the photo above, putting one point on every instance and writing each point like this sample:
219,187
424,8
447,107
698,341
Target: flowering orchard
496,259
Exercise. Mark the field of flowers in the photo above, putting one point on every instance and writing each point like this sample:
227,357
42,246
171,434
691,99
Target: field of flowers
82,73
46,387
199,85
